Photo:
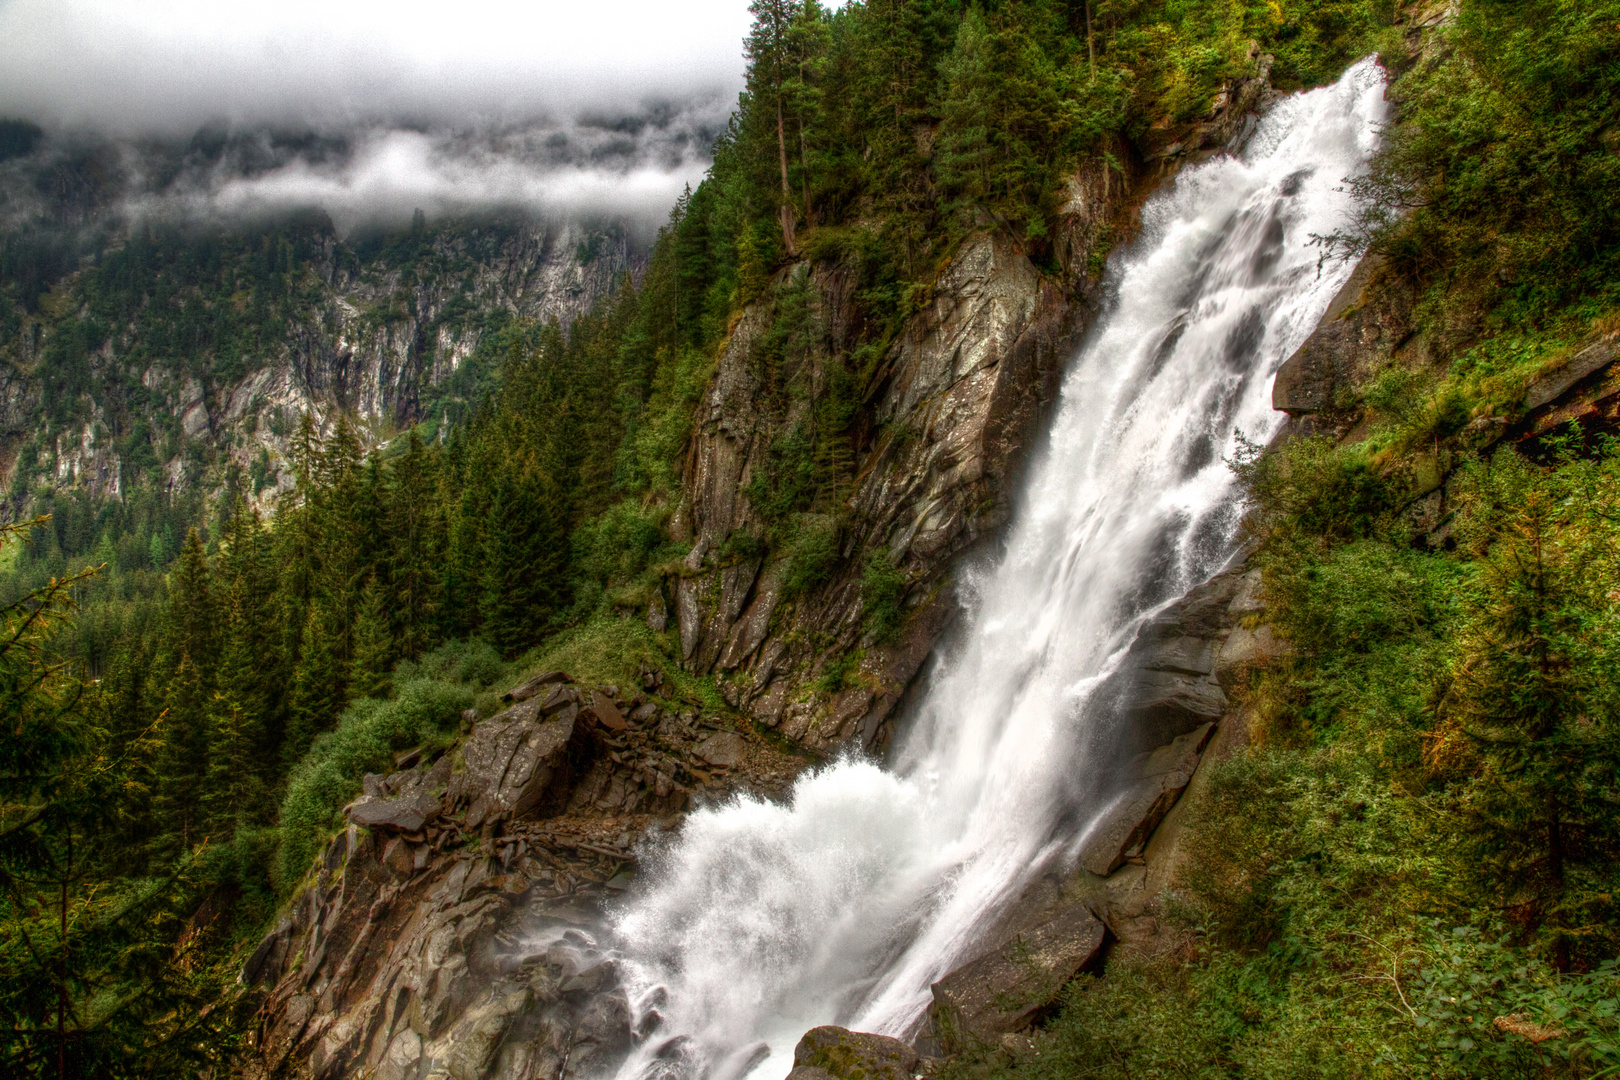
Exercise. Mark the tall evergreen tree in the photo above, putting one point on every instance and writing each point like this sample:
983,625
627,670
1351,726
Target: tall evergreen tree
320,683
374,643
190,666
766,49
525,560
1532,701
415,528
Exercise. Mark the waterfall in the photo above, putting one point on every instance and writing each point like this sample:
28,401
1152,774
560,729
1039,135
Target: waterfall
842,904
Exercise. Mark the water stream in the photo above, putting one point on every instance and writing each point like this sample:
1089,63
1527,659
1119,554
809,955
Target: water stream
842,904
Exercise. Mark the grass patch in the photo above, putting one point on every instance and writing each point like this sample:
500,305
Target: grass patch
424,712
613,650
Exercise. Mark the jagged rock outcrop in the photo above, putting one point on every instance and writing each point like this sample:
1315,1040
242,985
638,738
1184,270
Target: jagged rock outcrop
448,930
952,409
1368,320
1156,781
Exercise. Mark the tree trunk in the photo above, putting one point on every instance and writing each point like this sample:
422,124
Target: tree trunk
787,192
1091,50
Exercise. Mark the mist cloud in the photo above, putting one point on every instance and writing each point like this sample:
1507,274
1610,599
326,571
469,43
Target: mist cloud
172,65
381,175
371,109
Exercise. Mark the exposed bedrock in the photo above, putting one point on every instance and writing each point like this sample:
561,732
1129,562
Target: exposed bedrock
450,930
958,399
372,343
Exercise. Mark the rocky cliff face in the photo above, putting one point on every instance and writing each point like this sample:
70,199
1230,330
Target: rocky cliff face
963,388
451,929
955,407
378,339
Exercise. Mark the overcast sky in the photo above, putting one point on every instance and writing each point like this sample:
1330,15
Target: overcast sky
399,77
167,64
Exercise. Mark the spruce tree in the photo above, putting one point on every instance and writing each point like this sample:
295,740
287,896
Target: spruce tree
461,581
525,562
1531,710
415,536
319,689
189,665
766,49
373,644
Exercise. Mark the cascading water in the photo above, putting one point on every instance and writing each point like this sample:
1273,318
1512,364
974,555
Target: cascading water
842,905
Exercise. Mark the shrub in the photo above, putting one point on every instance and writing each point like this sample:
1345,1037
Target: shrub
883,587
423,712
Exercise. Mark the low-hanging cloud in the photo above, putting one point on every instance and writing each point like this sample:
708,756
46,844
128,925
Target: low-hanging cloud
382,175
172,65
372,109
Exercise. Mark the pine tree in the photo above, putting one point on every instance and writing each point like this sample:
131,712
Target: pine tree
808,40
88,980
253,670
319,689
525,562
373,644
461,584
189,666
415,528
1530,711
766,49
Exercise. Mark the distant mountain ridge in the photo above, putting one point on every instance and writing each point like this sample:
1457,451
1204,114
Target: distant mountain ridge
141,350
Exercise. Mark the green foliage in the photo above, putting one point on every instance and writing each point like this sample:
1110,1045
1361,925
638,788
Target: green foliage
1410,870
883,587
614,650
88,980
813,554
1498,185
423,712
1531,713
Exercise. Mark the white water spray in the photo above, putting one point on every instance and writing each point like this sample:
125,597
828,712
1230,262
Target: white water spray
843,905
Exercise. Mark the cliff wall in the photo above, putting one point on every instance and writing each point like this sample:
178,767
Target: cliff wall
379,339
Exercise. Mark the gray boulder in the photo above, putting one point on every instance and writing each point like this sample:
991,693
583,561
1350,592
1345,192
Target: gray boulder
837,1052
1127,823
518,764
1006,989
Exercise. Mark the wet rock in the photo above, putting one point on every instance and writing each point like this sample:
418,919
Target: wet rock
808,1072
1367,320
533,686
722,748
851,1055
401,815
1008,987
1128,821
1168,684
